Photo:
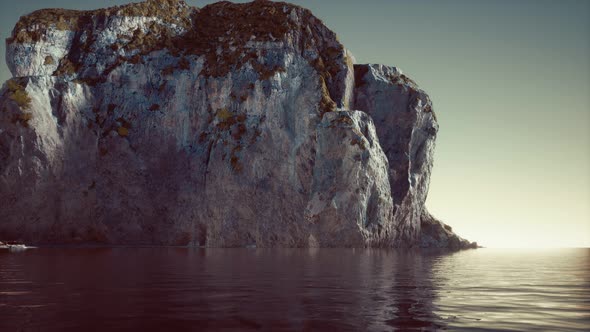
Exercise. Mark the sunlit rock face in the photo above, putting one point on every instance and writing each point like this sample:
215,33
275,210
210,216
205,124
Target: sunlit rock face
225,126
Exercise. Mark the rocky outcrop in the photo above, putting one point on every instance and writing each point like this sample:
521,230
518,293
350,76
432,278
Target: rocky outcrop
228,125
437,235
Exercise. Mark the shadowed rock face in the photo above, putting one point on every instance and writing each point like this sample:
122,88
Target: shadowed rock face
229,125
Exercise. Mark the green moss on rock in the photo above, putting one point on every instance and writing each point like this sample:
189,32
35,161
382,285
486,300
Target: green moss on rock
220,33
122,131
224,114
18,94
169,11
48,60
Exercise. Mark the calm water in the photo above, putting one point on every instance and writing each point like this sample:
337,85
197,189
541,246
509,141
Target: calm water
293,290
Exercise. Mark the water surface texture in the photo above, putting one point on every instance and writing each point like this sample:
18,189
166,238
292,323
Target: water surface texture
294,289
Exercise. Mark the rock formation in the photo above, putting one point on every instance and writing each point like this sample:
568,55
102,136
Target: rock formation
226,126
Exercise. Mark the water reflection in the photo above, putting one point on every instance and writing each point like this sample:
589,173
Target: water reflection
413,292
327,289
280,290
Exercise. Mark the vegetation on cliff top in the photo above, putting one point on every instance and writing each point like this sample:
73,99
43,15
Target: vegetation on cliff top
226,34
30,27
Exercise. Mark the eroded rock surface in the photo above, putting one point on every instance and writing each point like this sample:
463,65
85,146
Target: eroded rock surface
228,125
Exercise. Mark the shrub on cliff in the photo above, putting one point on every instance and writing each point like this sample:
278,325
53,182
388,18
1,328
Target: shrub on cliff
18,94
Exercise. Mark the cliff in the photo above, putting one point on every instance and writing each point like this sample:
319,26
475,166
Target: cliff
228,125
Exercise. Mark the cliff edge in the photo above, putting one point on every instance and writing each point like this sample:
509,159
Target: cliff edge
224,126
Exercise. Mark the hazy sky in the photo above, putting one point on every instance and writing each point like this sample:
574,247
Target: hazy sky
510,82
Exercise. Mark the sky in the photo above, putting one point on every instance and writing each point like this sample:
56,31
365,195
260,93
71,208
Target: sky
510,83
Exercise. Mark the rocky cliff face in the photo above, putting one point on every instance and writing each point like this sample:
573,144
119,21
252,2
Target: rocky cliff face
228,125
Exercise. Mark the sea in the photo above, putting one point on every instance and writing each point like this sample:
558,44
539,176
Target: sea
192,289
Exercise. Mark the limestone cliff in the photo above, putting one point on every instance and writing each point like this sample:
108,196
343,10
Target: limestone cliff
228,125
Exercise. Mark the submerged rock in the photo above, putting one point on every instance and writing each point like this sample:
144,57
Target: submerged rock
231,125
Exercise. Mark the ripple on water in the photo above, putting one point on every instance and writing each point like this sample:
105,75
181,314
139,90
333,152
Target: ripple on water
327,289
